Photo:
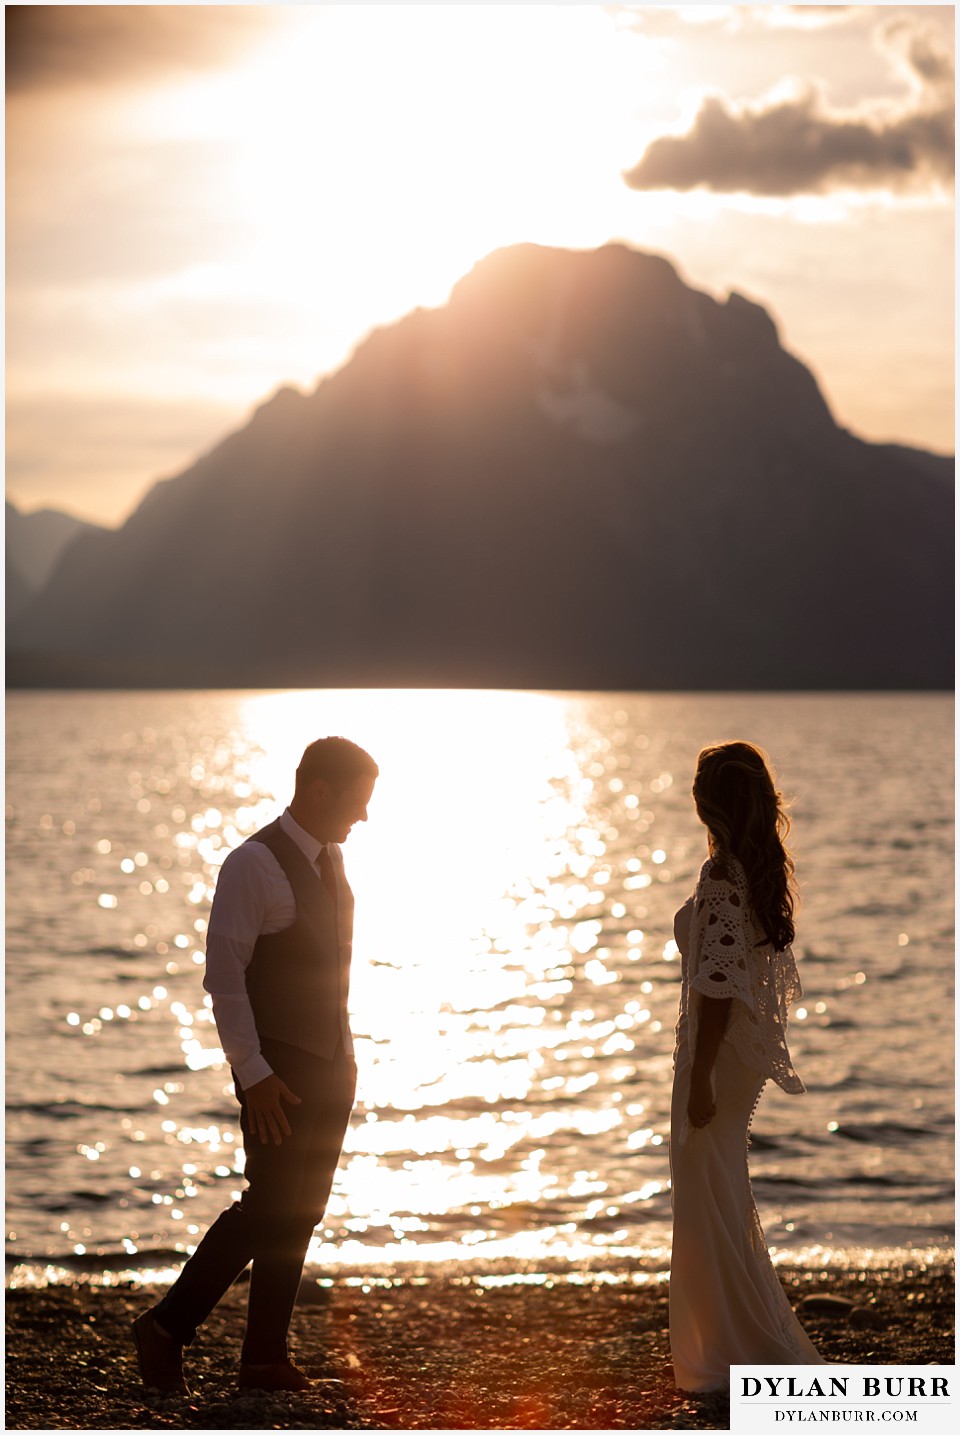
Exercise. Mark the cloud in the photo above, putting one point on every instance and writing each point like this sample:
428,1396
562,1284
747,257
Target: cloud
49,46
921,54
798,145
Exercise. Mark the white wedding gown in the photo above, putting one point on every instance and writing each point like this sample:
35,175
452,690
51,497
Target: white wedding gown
727,1306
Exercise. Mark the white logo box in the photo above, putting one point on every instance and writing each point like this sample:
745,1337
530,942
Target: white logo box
767,1398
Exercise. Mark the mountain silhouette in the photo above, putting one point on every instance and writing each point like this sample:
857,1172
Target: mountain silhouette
34,544
578,473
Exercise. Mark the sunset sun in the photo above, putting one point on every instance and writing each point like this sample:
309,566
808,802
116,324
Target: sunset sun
261,186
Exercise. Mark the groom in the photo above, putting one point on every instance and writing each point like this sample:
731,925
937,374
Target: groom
278,970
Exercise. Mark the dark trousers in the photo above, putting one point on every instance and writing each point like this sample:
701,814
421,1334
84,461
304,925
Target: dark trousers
287,1191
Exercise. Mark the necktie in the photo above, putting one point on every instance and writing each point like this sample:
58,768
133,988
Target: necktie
327,874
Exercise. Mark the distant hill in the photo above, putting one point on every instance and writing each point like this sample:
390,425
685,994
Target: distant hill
578,473
34,543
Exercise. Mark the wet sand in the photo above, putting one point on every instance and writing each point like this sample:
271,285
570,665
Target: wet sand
441,1354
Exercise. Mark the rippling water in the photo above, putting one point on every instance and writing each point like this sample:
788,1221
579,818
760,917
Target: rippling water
515,980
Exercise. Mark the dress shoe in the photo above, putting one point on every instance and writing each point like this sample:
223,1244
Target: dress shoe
279,1375
159,1356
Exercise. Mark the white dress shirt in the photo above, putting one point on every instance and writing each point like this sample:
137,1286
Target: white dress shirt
253,898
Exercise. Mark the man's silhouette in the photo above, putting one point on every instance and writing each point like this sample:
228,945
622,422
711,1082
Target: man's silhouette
278,970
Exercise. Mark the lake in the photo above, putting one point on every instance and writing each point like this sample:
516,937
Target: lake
515,979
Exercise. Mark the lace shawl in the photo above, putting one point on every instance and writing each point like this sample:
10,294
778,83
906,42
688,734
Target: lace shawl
729,956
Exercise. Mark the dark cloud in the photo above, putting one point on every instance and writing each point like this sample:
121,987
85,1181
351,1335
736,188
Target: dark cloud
55,45
797,147
800,146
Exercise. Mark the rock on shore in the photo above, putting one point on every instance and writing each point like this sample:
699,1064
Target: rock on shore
441,1352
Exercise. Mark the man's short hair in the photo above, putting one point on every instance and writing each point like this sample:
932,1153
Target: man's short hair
336,759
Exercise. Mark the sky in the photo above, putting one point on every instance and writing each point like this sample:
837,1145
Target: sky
206,203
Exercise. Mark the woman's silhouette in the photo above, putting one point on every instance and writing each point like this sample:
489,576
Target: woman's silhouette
727,1306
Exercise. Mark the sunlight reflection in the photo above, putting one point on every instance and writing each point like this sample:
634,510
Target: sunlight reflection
514,992
494,993
471,764
479,882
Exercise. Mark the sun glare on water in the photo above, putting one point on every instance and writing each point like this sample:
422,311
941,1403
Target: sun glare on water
514,984
469,826
466,794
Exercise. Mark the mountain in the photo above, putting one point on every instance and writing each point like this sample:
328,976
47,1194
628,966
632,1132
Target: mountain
578,473
34,543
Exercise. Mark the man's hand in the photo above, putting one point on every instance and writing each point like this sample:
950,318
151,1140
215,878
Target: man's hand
701,1106
264,1103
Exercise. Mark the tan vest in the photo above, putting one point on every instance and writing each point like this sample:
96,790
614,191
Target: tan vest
298,980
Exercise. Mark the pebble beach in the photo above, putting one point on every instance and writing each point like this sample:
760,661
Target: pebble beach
442,1352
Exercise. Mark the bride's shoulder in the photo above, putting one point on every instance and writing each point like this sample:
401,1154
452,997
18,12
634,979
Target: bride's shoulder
722,870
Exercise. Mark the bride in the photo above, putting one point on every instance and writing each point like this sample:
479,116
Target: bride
727,1306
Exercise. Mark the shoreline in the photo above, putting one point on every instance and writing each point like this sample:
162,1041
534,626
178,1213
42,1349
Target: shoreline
444,1352
616,1265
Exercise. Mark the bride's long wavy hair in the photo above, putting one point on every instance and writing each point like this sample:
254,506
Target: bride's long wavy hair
737,801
